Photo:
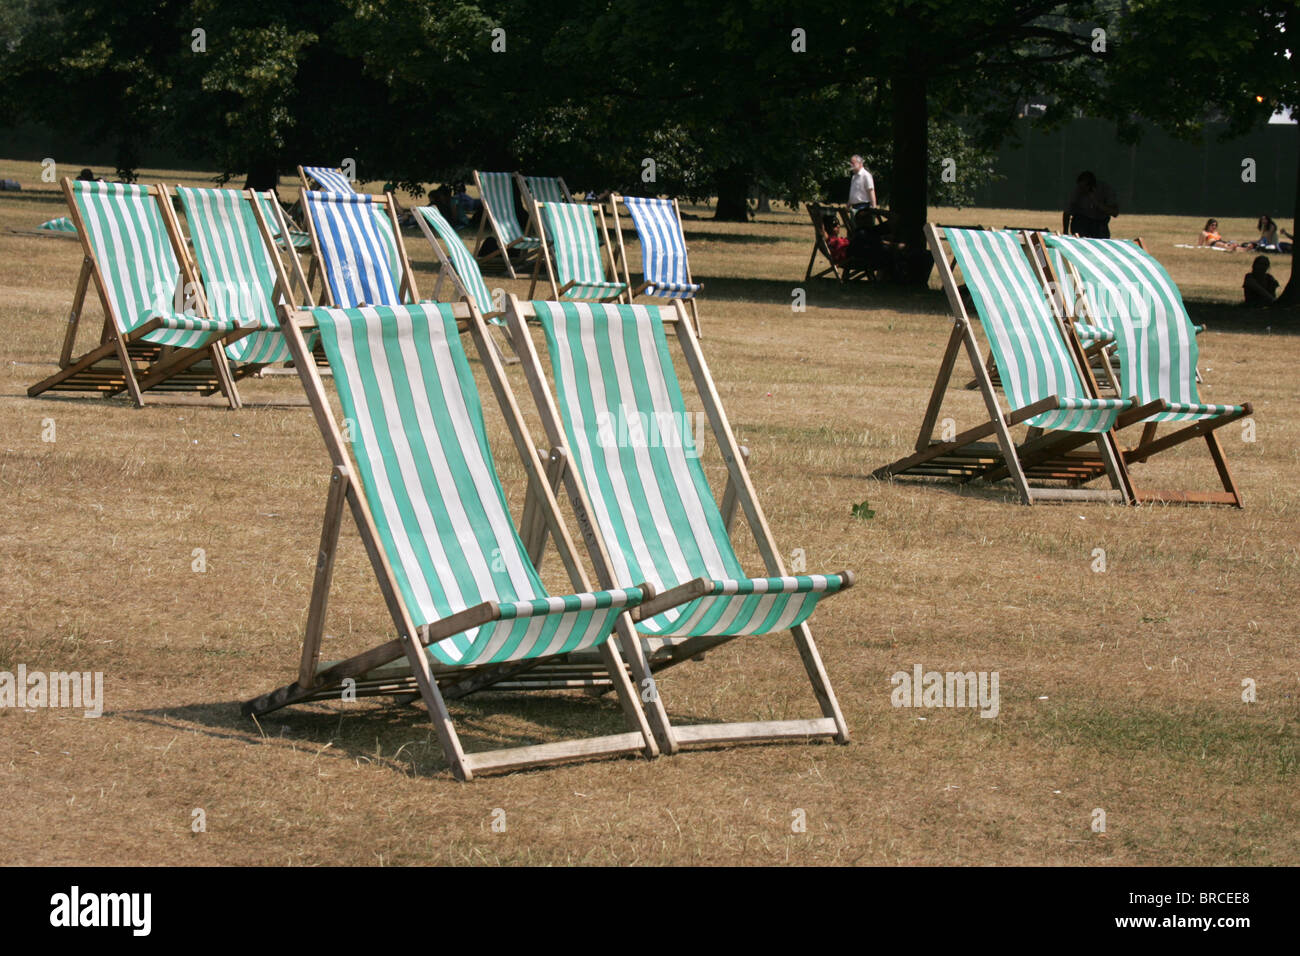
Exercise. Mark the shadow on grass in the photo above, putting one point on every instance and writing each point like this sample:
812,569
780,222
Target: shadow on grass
401,737
1220,317
823,294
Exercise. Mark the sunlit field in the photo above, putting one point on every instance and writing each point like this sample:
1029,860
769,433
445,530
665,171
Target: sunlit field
1121,689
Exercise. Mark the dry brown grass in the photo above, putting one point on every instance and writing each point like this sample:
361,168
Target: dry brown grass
1119,690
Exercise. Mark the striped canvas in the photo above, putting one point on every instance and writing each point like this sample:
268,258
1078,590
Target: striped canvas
358,250
1130,291
129,241
61,224
499,196
266,202
571,229
330,180
462,260
237,272
546,189
631,441
1033,360
421,451
663,247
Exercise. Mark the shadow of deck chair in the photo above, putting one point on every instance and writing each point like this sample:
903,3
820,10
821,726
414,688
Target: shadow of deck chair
458,265
497,192
419,479
130,236
665,268
237,270
1039,361
1123,288
648,513
574,240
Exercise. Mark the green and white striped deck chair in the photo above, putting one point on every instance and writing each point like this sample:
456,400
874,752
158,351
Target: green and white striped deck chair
418,476
239,278
535,189
130,238
457,262
634,477
497,190
1039,370
573,237
357,242
1122,287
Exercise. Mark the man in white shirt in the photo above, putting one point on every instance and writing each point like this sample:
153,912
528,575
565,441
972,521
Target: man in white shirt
862,188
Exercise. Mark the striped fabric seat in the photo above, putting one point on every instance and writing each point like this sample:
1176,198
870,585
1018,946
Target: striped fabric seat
499,196
1033,360
1128,290
61,224
266,202
421,451
358,250
129,240
663,247
631,440
236,269
462,260
330,180
571,229
546,189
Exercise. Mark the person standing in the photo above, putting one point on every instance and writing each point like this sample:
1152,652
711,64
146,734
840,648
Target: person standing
862,188
1089,208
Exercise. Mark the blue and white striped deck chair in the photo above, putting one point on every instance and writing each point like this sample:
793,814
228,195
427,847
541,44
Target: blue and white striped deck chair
1039,369
417,473
665,267
574,238
130,237
497,190
634,476
239,276
358,246
328,179
1124,288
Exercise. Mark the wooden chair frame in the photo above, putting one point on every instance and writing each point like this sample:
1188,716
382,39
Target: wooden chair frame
739,493
1149,444
1042,456
616,200
544,256
140,366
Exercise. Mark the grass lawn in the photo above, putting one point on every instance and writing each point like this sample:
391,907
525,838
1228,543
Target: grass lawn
1119,690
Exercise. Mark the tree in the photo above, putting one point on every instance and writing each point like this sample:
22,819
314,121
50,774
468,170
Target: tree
1178,63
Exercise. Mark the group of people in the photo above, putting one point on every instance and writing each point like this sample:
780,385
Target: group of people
1267,242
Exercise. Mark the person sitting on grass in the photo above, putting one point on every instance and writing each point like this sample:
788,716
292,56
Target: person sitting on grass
1210,237
1259,286
1268,241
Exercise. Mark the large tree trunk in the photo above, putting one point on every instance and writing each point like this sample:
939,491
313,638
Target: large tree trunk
1291,294
908,180
733,194
262,174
